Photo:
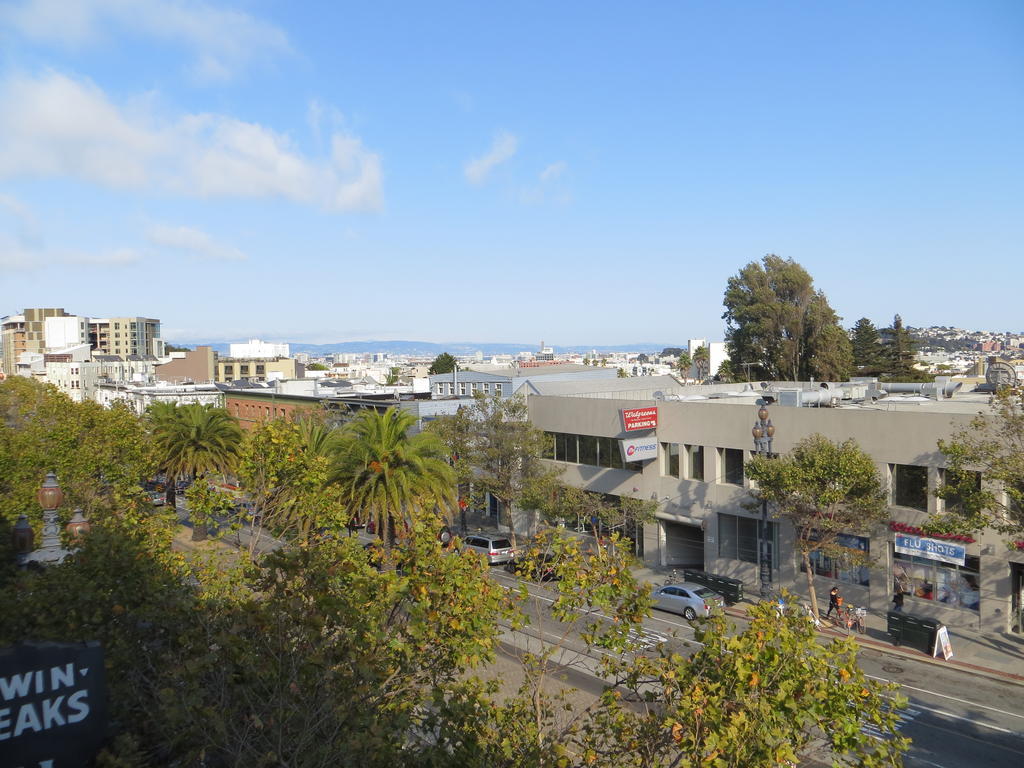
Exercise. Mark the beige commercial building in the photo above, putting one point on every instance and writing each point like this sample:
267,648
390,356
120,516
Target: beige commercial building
258,369
693,453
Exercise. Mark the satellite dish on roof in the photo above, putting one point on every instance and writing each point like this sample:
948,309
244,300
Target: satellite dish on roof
1001,374
658,395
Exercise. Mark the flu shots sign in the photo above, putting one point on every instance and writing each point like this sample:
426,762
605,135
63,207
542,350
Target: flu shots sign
52,704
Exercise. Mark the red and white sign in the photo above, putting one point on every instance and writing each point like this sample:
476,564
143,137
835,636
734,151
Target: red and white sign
634,419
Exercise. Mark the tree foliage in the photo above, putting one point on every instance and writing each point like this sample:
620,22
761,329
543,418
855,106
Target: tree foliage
390,477
899,349
992,445
869,356
776,320
101,456
443,363
702,362
823,489
494,447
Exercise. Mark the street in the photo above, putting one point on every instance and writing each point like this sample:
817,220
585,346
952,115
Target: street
956,719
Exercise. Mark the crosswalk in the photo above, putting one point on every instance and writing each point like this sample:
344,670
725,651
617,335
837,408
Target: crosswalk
903,717
643,640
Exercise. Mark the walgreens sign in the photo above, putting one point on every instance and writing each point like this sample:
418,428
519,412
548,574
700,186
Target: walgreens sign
634,419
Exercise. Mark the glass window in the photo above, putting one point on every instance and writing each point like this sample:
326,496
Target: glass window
565,448
462,388
910,486
924,579
835,568
670,459
588,450
497,389
695,462
487,388
610,455
548,452
732,465
737,537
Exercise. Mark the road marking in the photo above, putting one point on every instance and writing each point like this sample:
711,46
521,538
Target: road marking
946,696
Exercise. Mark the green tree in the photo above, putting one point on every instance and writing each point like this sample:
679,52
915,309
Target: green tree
196,441
443,363
621,373
283,468
101,456
702,362
499,450
777,321
769,695
394,373
316,367
823,489
387,476
684,363
868,353
990,448
900,346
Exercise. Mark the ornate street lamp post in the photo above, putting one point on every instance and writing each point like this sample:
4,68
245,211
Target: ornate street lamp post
763,433
50,498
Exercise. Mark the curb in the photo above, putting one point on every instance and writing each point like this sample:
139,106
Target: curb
895,650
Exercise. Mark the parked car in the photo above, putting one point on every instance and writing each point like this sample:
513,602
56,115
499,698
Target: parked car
540,568
497,549
687,599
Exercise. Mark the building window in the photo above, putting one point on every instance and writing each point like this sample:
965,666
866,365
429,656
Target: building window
229,370
910,486
972,480
737,538
670,459
835,567
695,462
954,585
462,388
260,370
565,448
243,370
472,388
587,449
731,460
497,389
487,388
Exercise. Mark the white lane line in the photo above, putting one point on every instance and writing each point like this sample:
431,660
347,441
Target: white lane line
946,696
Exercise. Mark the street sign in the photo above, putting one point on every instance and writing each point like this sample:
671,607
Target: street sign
53,704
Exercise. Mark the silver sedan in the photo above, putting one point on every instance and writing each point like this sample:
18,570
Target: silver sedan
686,599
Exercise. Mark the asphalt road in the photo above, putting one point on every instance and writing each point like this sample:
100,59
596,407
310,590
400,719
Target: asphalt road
955,718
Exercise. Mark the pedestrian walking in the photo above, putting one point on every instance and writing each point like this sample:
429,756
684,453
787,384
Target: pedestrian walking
897,601
835,602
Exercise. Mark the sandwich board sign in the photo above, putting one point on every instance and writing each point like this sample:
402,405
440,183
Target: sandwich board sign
53,704
942,643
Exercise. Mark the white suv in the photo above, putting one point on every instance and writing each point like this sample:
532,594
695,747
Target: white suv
497,549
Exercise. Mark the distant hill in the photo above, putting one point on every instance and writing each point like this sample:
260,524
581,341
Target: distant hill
428,348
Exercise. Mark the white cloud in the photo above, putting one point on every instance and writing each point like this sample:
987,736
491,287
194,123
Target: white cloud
193,241
222,41
53,125
503,148
553,171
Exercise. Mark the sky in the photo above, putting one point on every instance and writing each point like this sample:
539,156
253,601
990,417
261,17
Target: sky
578,172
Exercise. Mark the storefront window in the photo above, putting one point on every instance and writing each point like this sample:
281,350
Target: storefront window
954,585
670,457
737,537
836,568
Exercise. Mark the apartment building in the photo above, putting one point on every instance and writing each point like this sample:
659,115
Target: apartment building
126,336
24,333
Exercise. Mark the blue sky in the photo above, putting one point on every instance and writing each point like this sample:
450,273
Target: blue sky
582,173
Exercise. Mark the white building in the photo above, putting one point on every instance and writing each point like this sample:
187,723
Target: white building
254,348
139,398
62,332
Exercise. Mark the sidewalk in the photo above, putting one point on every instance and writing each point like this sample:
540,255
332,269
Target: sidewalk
997,656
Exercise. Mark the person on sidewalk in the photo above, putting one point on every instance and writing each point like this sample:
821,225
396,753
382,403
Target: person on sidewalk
834,602
897,601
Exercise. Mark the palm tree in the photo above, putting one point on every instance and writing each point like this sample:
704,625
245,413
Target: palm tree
702,359
389,477
158,416
196,440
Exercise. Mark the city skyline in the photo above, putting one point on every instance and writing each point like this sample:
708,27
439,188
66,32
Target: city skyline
326,174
